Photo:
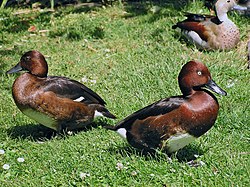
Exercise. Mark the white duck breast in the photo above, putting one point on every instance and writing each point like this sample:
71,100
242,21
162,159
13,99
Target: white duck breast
41,118
177,141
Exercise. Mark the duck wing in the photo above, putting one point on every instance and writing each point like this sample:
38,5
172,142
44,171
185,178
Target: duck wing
202,17
67,88
197,17
195,22
160,107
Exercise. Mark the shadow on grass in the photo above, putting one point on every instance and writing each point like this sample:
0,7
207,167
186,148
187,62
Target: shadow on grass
86,7
20,22
184,155
188,153
37,132
32,132
141,8
137,8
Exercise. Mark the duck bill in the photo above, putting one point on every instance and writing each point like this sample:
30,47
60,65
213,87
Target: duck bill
215,88
239,7
15,69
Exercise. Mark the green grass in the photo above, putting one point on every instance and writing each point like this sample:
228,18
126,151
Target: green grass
135,58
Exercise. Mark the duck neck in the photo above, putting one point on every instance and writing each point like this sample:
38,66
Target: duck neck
221,12
187,91
222,16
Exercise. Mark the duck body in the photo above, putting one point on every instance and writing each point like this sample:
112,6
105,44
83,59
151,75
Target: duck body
172,123
56,102
211,32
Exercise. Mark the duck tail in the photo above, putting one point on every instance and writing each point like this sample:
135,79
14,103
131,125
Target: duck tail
100,110
109,127
108,114
174,26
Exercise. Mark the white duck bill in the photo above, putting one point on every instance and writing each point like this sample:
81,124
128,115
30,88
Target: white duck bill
239,7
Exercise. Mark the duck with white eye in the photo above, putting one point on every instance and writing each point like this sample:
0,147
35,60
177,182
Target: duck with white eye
54,101
172,123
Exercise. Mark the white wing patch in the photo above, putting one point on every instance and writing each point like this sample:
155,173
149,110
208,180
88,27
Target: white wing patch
122,132
41,118
79,99
178,141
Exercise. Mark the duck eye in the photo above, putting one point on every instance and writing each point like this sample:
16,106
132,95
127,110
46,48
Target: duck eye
27,58
199,73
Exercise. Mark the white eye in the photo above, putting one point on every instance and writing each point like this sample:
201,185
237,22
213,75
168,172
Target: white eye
199,73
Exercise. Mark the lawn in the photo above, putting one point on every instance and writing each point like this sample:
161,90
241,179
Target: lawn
131,57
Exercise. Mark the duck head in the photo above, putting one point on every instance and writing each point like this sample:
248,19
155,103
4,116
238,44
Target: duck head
33,62
224,6
195,76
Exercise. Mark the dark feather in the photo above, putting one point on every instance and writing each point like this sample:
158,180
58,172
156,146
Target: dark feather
67,88
158,108
196,17
201,17
193,26
191,18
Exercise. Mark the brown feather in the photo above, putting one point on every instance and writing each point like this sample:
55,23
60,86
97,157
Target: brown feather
194,26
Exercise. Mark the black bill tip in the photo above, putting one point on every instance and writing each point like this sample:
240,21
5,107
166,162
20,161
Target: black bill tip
15,69
215,88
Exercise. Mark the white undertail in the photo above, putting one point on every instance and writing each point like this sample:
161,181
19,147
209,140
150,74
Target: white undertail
122,132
